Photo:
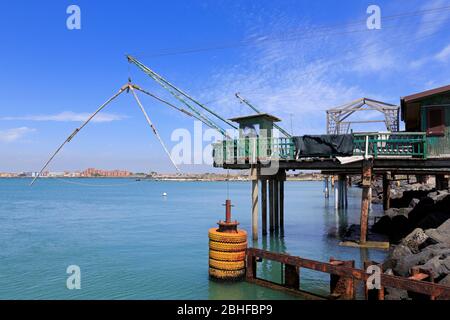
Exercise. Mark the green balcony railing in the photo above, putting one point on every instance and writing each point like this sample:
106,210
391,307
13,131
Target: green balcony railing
376,144
395,144
252,150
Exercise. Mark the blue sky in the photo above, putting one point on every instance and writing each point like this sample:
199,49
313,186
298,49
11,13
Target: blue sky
287,57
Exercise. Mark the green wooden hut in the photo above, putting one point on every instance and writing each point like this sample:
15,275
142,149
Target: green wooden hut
429,112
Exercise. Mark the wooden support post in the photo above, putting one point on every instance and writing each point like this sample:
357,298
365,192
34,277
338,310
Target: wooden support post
276,204
254,177
264,206
340,286
250,272
271,206
386,192
291,277
282,179
365,198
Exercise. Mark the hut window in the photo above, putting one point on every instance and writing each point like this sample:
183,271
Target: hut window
435,122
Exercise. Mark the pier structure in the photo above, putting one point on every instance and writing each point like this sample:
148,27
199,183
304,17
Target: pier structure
422,150
344,278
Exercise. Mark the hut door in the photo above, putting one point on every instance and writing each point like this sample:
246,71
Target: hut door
435,122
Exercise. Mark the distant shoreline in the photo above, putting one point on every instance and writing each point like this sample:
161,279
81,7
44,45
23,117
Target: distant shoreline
307,177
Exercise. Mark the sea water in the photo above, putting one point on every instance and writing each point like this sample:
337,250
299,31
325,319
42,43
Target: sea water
131,242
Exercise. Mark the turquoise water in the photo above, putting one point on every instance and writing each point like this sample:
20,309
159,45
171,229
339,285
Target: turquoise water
132,243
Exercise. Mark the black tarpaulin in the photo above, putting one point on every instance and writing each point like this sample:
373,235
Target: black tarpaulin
324,145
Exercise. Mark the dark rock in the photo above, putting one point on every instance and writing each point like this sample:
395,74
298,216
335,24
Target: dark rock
400,251
400,228
413,203
405,200
404,264
433,220
441,234
438,195
426,243
438,265
396,294
392,212
383,225
445,281
420,211
444,204
404,211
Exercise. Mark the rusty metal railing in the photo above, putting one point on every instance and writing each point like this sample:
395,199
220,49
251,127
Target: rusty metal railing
343,277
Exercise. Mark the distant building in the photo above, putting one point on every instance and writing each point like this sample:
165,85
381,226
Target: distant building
92,172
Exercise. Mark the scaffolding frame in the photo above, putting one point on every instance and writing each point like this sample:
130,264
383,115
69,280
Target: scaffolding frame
336,117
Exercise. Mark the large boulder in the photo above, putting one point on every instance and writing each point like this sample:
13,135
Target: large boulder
400,251
405,263
392,212
440,234
383,225
396,253
438,265
433,220
415,192
415,239
396,294
445,281
444,204
413,203
438,195
420,211
400,228
404,211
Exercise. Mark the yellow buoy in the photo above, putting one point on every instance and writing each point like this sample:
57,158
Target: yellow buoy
227,247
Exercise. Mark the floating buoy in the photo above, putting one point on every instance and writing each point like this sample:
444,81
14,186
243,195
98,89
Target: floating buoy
227,247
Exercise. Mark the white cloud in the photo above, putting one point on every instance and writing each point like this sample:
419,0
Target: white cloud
14,134
69,116
281,81
433,20
444,54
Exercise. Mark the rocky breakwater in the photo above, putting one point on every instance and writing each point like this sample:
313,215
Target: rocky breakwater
420,234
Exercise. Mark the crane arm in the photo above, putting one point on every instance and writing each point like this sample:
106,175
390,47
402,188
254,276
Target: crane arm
182,96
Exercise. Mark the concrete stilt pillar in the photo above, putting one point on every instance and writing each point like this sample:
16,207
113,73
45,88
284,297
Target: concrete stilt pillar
276,204
336,196
264,205
282,178
366,198
271,206
346,194
386,192
326,189
340,192
254,177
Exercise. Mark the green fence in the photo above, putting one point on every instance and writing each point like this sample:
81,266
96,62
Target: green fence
377,144
253,150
